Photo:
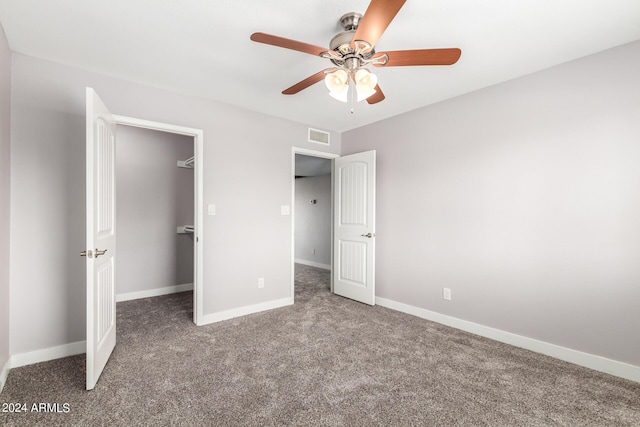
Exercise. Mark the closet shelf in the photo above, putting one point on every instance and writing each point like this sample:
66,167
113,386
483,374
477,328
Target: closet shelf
186,163
184,229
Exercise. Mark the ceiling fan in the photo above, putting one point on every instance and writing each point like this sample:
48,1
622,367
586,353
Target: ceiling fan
353,49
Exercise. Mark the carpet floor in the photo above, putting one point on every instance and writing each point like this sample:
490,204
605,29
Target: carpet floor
324,361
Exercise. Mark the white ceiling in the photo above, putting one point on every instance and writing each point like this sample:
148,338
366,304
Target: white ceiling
202,47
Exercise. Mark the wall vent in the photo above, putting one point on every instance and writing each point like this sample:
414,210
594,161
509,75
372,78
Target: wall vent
319,136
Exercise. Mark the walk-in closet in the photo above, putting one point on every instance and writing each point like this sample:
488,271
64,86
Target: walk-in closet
154,213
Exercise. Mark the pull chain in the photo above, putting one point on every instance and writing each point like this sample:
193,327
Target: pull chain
352,89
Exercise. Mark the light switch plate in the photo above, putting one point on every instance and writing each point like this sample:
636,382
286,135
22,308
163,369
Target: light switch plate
285,210
211,209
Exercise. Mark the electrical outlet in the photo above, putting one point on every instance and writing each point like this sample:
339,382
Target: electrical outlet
261,282
446,294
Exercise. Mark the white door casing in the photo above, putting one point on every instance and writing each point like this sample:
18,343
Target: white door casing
354,226
101,237
198,136
312,153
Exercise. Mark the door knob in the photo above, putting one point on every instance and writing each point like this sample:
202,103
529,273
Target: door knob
99,252
368,235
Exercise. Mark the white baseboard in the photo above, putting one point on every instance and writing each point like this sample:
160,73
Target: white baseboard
46,354
154,292
243,311
4,373
80,347
312,264
597,363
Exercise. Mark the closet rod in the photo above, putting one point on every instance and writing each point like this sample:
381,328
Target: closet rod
183,229
186,163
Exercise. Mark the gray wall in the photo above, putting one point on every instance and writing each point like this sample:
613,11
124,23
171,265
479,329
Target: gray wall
521,197
524,199
247,174
154,196
313,221
5,175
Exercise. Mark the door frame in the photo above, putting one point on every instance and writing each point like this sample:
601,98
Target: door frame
310,153
198,240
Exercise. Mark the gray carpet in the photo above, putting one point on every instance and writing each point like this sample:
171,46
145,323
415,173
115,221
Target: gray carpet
324,361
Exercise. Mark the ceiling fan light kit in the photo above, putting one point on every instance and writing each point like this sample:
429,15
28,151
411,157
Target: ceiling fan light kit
338,84
353,49
366,83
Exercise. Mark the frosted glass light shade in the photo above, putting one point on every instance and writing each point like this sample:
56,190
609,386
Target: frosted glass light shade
341,96
338,84
366,83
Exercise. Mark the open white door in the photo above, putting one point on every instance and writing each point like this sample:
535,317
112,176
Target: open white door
354,226
101,237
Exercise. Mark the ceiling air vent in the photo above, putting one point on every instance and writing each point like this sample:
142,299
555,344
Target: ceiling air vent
318,136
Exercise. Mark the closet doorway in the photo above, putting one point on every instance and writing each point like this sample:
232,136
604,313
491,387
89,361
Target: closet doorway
159,172
312,210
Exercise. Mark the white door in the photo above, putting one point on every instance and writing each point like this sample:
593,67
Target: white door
101,237
354,226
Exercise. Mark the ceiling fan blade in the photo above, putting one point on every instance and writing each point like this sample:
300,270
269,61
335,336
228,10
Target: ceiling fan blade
400,58
287,43
311,80
376,97
376,19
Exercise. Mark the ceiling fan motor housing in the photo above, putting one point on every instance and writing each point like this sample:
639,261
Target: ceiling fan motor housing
341,43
